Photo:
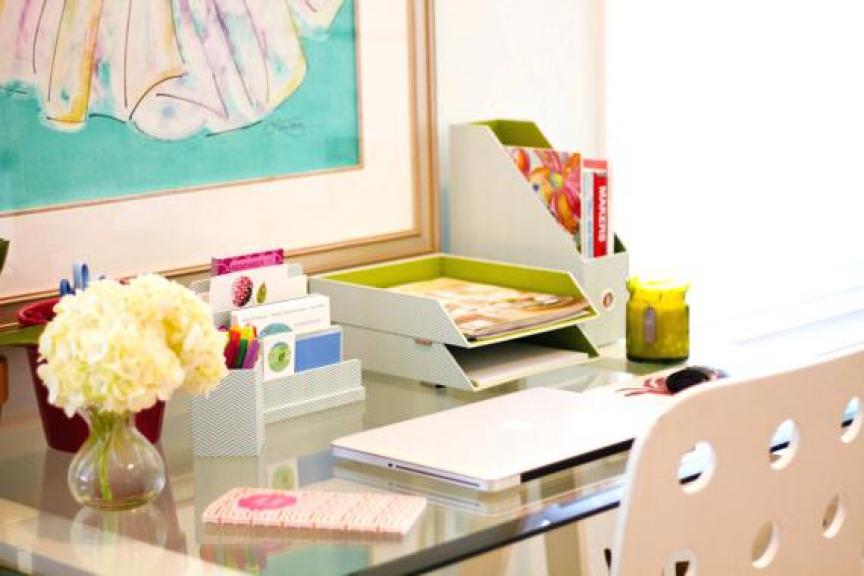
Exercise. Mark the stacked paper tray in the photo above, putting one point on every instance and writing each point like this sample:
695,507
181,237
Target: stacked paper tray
413,336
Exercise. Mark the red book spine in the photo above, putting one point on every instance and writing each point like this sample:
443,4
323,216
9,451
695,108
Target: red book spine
601,214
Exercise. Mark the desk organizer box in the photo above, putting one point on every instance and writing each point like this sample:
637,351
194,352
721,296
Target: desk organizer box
494,213
414,337
230,421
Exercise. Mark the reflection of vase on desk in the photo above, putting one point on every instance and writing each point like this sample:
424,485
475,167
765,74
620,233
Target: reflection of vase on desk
98,535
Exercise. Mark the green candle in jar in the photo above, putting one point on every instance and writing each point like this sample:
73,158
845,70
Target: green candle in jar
658,320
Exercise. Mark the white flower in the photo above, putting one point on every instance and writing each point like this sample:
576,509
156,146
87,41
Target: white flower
121,348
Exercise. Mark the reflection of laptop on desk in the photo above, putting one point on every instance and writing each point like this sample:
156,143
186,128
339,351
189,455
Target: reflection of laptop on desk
496,444
435,491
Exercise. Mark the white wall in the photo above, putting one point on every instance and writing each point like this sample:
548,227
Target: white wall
735,128
522,60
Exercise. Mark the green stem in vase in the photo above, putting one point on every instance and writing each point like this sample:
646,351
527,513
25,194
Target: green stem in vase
103,425
117,468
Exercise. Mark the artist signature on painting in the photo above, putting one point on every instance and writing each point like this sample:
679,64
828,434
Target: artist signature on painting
292,127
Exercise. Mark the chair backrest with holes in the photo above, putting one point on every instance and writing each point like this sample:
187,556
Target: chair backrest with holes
799,510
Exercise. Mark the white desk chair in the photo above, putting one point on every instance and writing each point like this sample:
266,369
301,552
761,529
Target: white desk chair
797,511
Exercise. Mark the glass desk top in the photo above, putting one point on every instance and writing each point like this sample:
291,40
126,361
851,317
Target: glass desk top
42,529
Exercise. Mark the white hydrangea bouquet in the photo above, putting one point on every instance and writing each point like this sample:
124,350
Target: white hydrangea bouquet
113,350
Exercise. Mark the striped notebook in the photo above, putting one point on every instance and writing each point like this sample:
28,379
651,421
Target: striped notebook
310,509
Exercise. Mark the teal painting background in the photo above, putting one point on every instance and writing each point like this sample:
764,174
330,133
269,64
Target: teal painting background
317,128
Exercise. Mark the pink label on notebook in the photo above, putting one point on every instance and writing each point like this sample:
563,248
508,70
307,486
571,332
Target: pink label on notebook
267,501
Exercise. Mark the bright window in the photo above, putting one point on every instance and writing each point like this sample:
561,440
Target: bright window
736,128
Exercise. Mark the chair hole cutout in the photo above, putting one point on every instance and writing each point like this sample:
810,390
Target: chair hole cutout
696,467
607,557
681,563
766,542
851,423
784,445
834,517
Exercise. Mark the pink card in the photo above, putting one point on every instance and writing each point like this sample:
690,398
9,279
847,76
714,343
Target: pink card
219,266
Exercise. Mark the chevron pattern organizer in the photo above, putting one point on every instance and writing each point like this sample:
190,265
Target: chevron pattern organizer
229,421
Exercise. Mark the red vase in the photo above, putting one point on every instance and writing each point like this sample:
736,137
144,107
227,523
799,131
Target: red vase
61,432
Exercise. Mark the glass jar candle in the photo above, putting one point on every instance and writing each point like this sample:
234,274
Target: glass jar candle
658,321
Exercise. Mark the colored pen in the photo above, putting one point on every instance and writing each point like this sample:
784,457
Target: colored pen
241,354
252,354
231,349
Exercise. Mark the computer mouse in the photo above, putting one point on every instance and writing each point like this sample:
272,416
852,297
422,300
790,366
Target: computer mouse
690,376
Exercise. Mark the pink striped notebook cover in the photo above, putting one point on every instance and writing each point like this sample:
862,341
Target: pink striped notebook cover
348,511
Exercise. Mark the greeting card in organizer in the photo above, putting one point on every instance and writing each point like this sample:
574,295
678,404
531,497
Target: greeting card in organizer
254,287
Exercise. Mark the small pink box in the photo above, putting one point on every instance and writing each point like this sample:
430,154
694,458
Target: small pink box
219,266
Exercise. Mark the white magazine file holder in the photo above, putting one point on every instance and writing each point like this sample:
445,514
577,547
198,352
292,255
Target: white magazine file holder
495,214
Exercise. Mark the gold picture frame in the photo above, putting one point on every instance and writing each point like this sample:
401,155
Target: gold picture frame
419,209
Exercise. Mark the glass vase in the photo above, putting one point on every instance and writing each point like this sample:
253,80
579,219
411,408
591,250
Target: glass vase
117,468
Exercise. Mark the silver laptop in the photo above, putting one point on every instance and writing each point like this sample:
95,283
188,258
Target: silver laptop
498,443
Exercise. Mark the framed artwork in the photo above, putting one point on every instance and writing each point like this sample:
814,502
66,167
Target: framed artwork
123,97
149,136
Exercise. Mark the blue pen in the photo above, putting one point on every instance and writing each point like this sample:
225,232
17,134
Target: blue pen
80,279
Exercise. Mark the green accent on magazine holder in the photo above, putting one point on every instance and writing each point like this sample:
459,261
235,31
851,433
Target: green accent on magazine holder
391,274
518,277
517,133
428,268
